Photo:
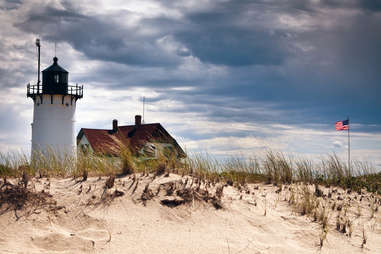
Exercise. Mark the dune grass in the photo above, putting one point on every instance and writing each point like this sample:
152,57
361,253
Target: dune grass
275,168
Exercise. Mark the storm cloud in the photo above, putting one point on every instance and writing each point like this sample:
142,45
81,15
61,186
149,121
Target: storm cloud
245,66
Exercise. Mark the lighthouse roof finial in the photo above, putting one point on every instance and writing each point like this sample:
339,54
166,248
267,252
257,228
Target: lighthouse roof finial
55,67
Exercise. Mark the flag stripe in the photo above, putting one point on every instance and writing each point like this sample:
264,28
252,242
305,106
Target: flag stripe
342,125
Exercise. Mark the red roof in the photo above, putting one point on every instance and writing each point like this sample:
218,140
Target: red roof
107,141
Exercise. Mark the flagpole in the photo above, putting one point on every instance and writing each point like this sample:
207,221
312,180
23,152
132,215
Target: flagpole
349,148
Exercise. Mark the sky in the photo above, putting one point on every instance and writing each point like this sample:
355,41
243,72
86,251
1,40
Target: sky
228,78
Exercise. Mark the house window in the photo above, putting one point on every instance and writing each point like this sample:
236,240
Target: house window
57,78
149,150
85,148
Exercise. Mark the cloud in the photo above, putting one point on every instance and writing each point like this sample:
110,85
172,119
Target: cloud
10,4
212,39
100,37
337,144
229,75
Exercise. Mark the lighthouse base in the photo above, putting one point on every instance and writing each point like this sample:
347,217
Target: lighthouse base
53,136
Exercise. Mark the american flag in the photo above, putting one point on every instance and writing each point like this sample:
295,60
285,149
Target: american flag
342,125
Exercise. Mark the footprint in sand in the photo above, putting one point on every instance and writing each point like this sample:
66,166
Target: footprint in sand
79,242
71,240
94,235
60,242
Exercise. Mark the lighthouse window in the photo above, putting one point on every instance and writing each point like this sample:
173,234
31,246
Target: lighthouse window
57,78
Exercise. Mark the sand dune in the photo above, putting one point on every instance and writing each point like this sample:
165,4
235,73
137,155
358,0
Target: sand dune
146,215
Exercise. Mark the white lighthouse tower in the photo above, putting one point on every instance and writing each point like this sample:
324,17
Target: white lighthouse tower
53,111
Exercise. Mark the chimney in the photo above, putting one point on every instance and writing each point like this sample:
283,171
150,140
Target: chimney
138,120
114,125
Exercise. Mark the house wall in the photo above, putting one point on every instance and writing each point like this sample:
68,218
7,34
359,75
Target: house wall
153,150
84,144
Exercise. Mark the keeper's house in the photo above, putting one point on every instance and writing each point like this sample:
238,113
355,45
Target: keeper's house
148,141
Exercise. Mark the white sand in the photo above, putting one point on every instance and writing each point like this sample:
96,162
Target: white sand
88,224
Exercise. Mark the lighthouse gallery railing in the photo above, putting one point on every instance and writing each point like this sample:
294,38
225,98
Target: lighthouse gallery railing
76,91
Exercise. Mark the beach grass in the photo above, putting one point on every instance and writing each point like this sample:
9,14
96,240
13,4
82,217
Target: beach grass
274,168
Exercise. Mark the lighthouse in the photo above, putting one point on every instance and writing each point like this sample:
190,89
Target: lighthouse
54,104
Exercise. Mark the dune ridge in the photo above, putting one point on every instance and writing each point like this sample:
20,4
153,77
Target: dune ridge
145,213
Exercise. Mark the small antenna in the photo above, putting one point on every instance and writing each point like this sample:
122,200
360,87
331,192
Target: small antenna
38,72
144,100
56,35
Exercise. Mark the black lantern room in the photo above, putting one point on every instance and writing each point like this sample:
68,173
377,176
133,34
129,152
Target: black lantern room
55,79
55,82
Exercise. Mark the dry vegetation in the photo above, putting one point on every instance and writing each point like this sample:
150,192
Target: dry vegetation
339,199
